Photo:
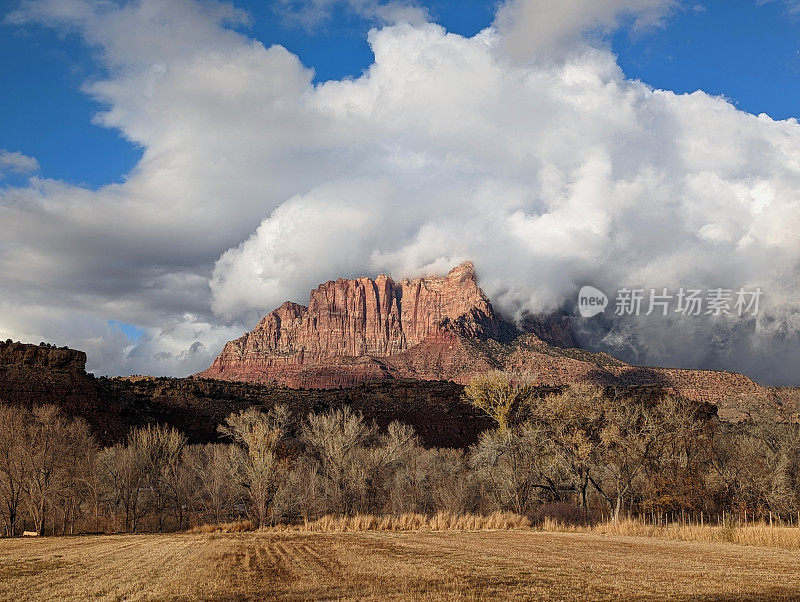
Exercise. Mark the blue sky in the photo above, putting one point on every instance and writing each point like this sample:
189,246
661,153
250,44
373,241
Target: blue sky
747,51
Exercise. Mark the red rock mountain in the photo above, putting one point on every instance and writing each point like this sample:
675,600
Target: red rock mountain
430,328
356,330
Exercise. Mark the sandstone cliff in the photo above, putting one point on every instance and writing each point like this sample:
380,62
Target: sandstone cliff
350,326
435,328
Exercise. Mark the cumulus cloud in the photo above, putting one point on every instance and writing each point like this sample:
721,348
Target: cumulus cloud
530,153
16,163
181,344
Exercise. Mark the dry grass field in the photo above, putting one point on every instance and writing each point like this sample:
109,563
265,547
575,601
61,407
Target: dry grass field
373,565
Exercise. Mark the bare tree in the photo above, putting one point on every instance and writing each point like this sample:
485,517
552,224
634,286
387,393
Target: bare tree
122,470
75,477
628,440
90,479
216,467
157,451
682,455
572,420
498,394
50,441
257,436
390,451
452,485
302,491
581,445
12,467
519,466
756,465
336,440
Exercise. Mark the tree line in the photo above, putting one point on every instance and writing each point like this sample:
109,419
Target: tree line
580,454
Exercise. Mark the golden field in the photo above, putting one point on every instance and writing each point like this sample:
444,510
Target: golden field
521,564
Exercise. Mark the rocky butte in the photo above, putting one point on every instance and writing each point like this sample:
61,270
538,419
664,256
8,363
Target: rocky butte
435,328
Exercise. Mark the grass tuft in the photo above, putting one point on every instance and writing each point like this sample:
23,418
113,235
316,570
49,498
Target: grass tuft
443,521
756,534
234,527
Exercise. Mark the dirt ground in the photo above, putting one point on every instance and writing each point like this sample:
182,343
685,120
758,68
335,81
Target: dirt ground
422,566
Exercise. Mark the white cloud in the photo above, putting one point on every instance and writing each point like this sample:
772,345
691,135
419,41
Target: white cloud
546,29
16,163
255,185
313,13
183,344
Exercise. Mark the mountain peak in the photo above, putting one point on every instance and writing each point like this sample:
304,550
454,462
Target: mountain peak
359,322
465,269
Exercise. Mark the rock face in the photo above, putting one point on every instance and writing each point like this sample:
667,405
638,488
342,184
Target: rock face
43,374
350,327
434,328
62,359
